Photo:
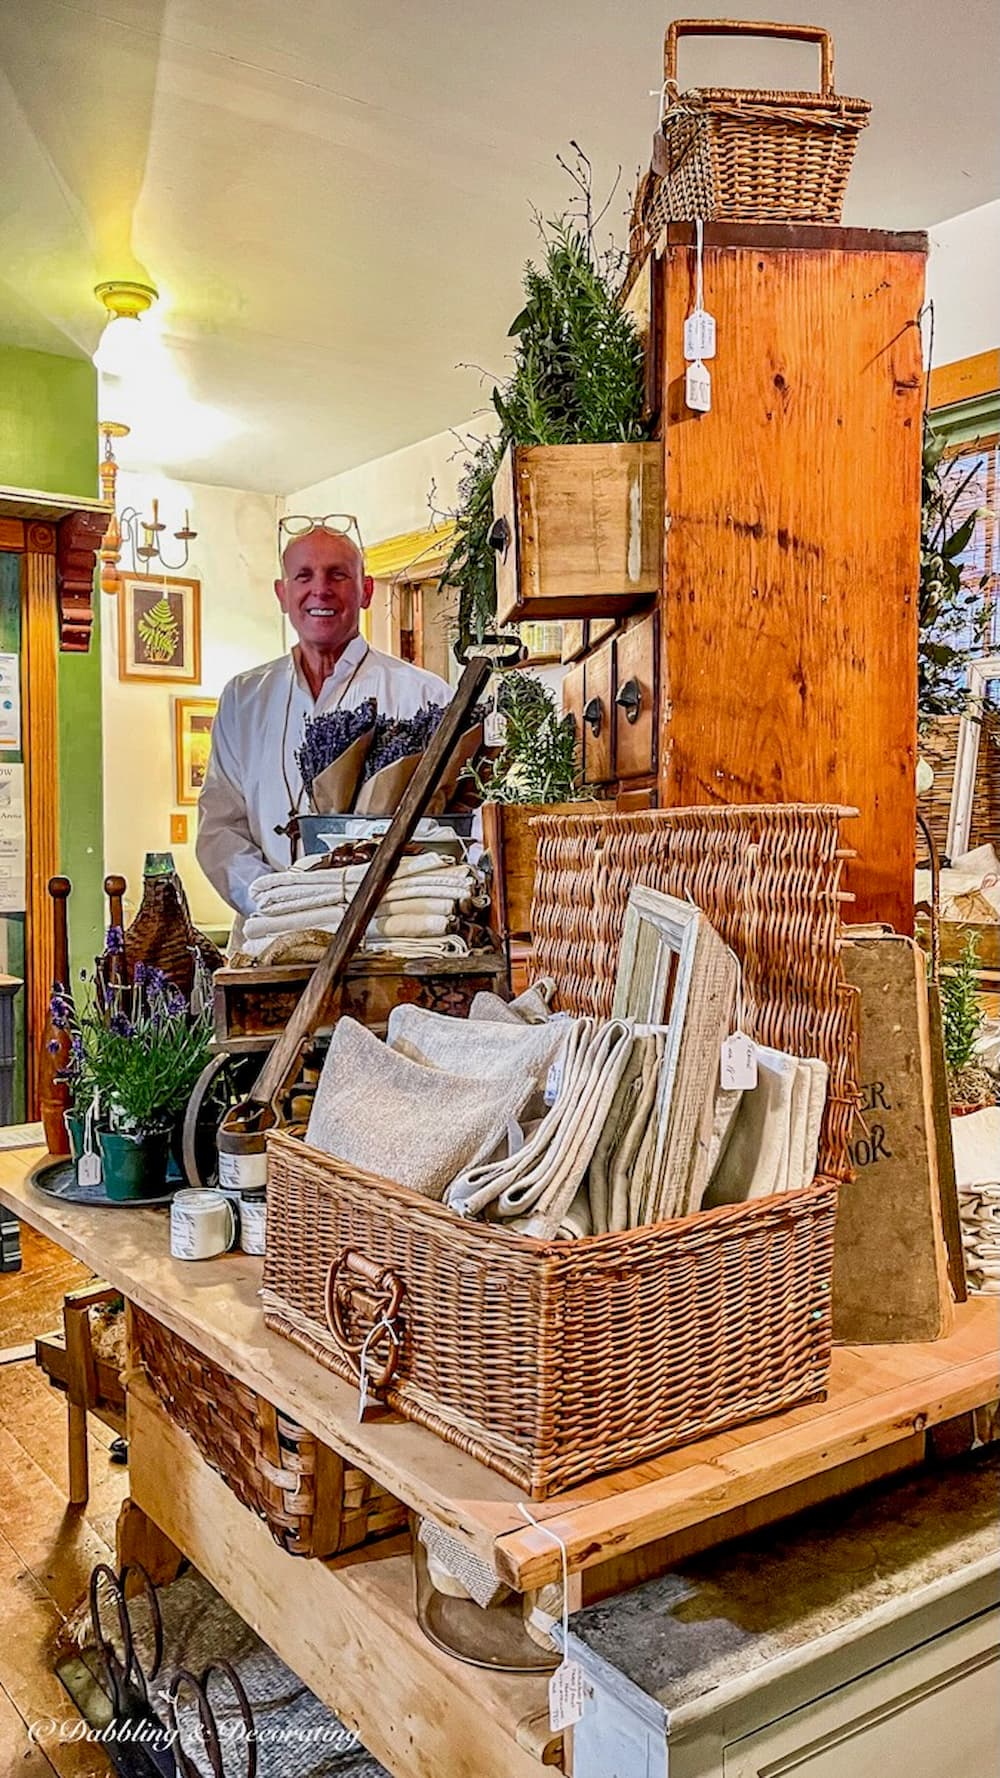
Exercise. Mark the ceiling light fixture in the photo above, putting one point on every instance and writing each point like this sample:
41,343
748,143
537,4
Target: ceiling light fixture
123,343
126,528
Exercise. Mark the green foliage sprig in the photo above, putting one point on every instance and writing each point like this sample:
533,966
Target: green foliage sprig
945,604
537,762
961,1012
578,378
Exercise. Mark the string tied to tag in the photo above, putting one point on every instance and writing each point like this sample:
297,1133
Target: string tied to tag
567,1689
382,1325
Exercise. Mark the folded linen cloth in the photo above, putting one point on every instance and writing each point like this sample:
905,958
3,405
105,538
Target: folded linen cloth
385,1114
384,924
754,1161
543,1177
451,886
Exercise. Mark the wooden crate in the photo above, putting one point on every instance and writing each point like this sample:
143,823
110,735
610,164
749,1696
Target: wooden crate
252,1006
581,528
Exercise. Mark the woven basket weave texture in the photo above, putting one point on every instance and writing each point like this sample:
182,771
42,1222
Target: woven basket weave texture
314,1503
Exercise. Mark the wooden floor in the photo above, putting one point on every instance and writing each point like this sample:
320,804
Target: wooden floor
46,1549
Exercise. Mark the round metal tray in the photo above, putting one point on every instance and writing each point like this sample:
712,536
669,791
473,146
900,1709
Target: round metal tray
57,1179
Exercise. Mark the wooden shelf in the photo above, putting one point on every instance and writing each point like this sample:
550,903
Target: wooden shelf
879,1396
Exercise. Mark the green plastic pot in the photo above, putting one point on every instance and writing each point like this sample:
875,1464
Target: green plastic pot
74,1122
134,1166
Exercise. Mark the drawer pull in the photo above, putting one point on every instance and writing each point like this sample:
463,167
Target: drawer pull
629,699
593,716
499,537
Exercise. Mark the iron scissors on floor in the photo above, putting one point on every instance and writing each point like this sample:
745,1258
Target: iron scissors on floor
221,1767
140,1736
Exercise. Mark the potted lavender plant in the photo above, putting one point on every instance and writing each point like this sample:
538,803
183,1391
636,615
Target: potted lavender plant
136,1050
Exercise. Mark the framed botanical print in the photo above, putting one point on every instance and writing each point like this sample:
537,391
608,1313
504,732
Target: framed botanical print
193,719
159,629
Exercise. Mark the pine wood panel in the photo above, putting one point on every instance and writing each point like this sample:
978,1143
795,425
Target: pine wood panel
878,1396
965,378
791,560
352,1635
39,702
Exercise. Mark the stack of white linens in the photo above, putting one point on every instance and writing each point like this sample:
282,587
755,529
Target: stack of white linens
418,915
976,1143
552,1126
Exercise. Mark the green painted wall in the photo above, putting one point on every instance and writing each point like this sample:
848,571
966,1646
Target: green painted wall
48,440
48,422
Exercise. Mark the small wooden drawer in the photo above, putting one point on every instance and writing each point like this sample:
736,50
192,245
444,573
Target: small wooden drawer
572,705
635,700
598,716
577,530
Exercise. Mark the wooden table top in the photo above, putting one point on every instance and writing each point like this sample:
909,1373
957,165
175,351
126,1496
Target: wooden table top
878,1395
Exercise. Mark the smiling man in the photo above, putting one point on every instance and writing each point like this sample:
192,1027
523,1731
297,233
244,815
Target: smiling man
253,784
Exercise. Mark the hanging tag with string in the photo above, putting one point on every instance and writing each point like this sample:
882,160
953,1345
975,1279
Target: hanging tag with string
89,1170
382,1325
738,1069
699,328
568,1689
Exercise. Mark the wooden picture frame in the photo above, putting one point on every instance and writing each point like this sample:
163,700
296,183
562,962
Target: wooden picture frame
193,718
159,629
675,970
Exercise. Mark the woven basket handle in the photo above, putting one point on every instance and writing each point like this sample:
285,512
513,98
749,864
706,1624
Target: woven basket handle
374,1294
749,28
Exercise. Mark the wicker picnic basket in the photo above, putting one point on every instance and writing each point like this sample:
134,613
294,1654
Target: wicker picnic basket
553,1362
732,154
314,1504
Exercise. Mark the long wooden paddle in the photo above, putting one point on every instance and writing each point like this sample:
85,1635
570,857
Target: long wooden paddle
326,977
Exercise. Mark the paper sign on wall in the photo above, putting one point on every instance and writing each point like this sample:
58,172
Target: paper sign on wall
10,701
11,839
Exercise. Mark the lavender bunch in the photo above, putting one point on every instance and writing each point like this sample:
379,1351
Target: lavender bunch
328,735
396,738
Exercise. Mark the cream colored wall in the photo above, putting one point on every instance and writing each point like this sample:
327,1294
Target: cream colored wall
233,557
963,282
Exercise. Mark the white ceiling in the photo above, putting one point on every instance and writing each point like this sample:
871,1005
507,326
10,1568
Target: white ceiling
333,195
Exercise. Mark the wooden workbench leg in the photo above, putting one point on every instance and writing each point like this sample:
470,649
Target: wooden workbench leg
138,1539
81,1389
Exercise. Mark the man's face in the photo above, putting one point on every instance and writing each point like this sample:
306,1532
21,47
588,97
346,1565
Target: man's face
324,589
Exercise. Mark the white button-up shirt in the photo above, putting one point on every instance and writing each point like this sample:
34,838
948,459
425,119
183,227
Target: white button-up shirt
259,722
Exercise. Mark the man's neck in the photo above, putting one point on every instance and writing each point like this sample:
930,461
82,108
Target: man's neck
316,664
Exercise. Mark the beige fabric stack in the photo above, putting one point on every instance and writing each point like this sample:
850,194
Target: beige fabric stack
421,906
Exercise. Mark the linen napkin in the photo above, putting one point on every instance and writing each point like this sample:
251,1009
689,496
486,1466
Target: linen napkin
754,1162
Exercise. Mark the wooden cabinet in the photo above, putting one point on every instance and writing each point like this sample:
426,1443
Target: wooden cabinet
791,553
612,698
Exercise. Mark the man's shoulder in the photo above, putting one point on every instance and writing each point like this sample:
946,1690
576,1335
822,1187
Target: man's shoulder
414,678
255,680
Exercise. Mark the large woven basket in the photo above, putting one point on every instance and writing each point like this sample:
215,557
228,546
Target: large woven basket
741,155
553,1362
314,1504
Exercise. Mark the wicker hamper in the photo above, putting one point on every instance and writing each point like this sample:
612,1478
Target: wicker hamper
554,1362
732,154
314,1504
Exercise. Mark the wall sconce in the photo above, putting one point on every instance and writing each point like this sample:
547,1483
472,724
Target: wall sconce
128,529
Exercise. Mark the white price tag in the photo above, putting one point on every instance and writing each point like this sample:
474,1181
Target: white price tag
88,1168
739,1062
567,1696
698,388
699,335
495,729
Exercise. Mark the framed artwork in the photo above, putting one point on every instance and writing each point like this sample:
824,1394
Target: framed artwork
159,629
193,719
